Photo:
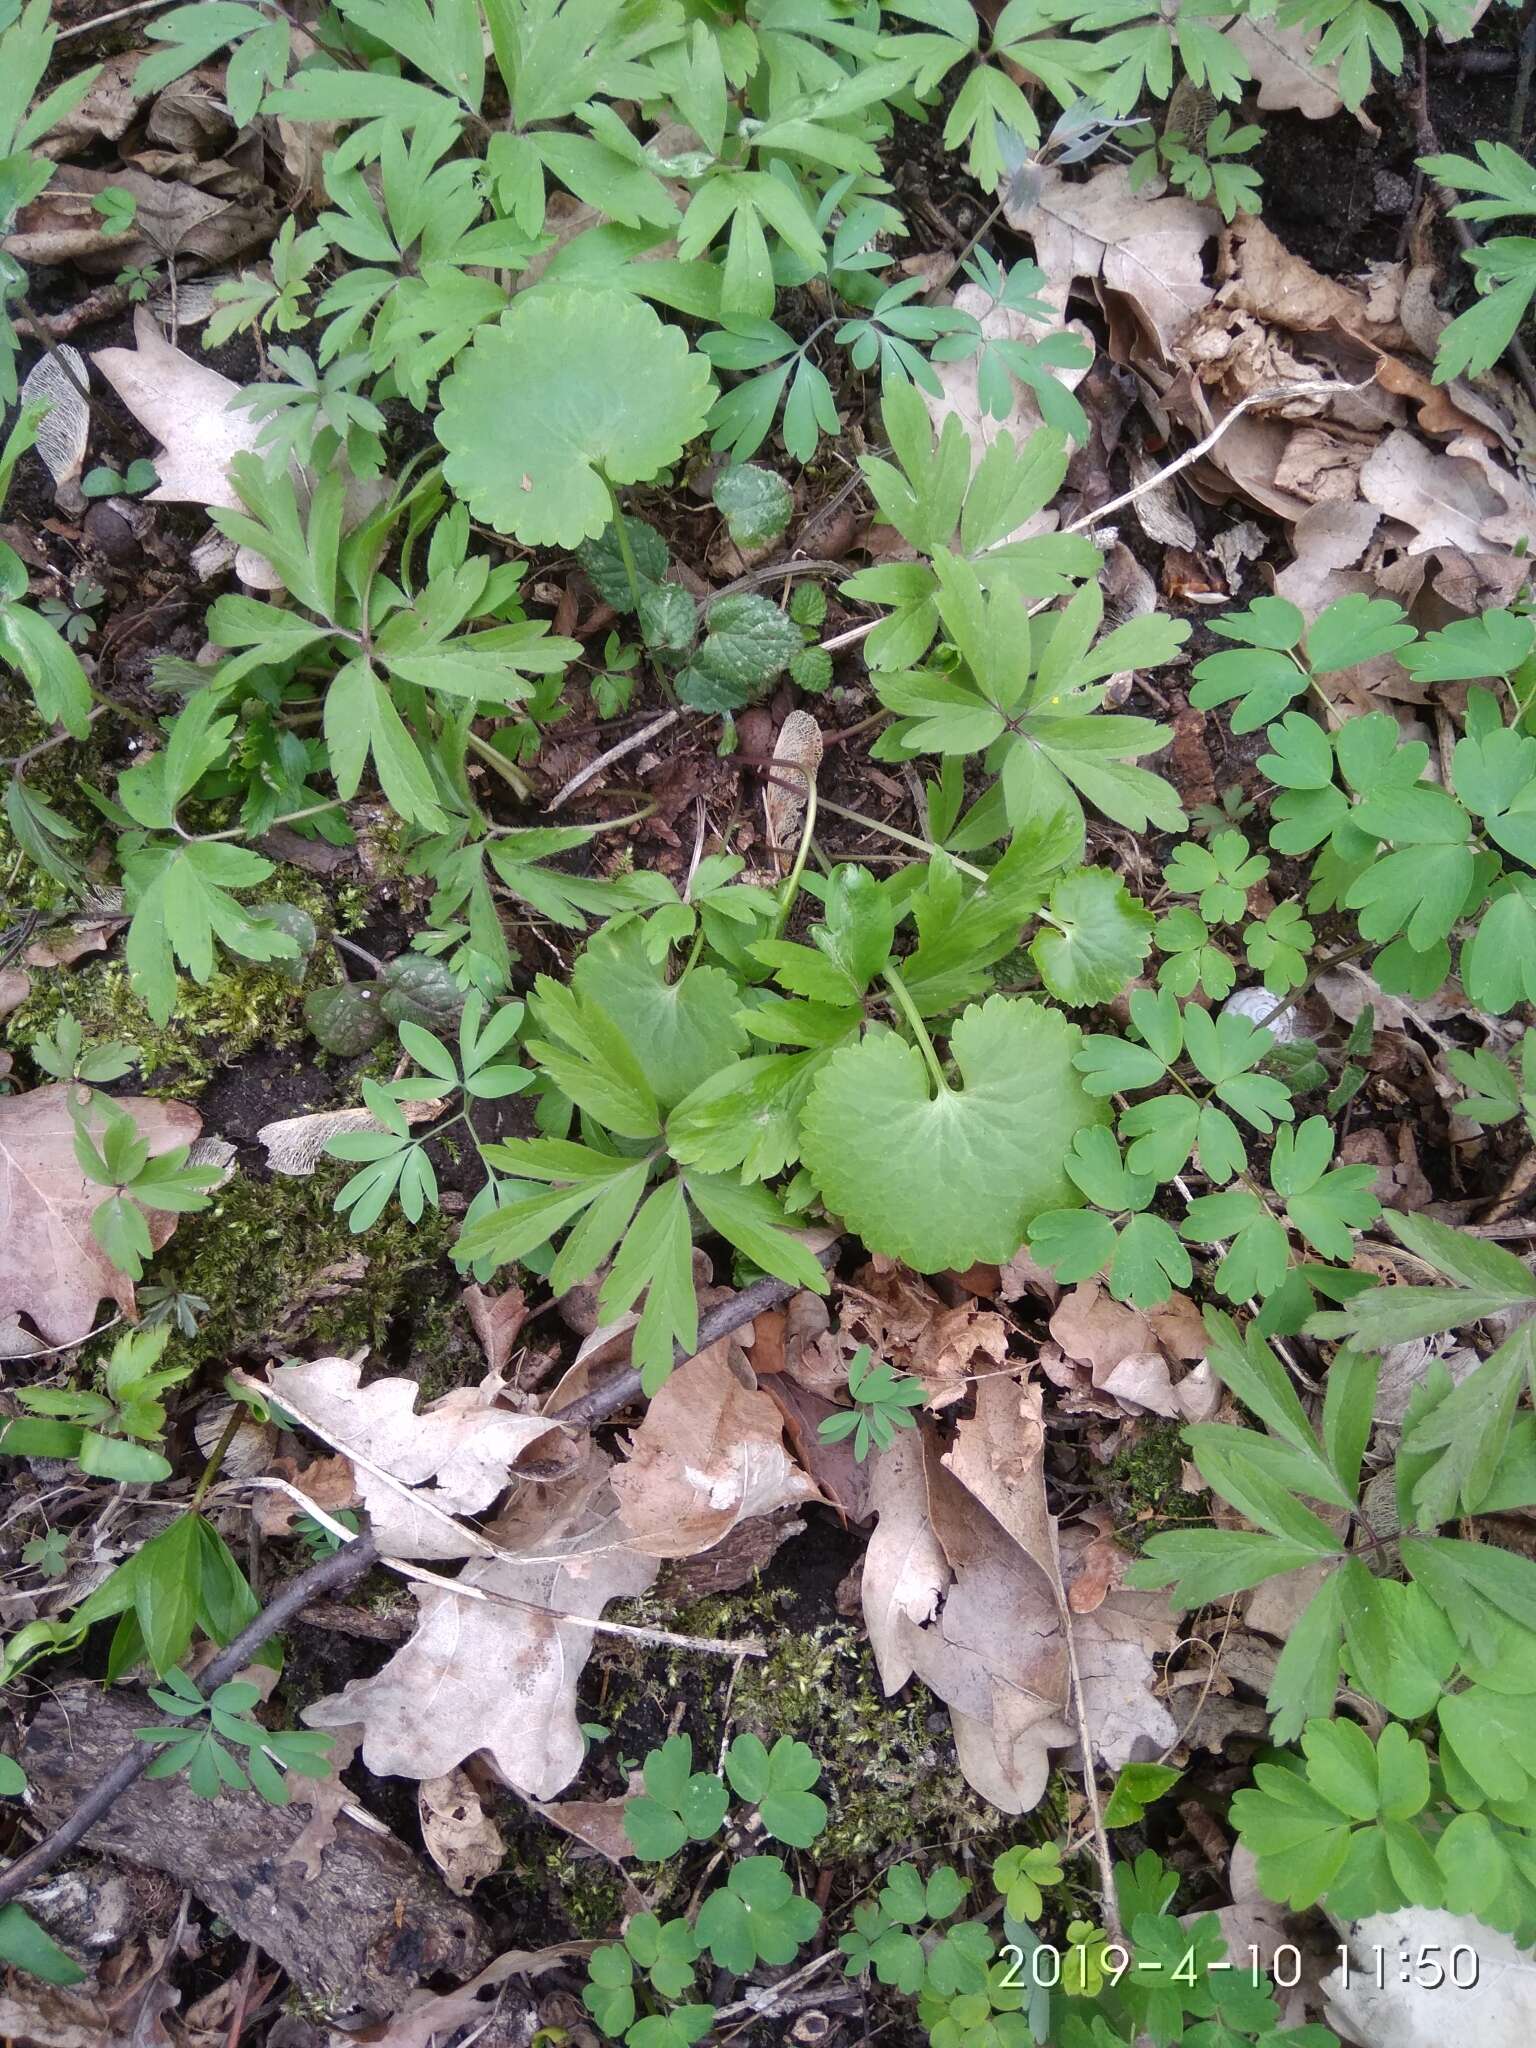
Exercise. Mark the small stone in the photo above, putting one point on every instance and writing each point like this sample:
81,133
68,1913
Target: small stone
110,533
1394,193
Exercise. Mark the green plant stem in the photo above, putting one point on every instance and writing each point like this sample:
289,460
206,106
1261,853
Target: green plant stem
626,551
1283,1008
908,1008
902,838
217,1456
19,762
632,578
288,818
351,946
791,886
602,825
519,783
145,725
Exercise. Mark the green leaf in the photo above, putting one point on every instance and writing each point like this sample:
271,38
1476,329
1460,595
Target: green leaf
1494,1087
679,2028
50,665
1400,1648
748,642
656,1257
1354,629
1248,1366
1136,1788
746,1116
1498,963
1327,1208
756,1916
1490,644
25,1946
750,1219
347,1019
1096,941
678,1805
680,1032
1221,875
949,1178
1469,1429
568,388
1202,1565
777,1782
756,504
1488,1279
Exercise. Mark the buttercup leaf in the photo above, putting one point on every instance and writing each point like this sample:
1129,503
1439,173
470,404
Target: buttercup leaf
945,1178
567,388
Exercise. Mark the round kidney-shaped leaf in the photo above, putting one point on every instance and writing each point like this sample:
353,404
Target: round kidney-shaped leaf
568,387
949,1179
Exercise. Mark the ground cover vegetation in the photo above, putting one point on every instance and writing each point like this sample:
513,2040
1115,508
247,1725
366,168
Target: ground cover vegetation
769,833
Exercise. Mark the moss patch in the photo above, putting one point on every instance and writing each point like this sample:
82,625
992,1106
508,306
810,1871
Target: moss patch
263,1256
214,1024
890,1778
1146,1483
246,1004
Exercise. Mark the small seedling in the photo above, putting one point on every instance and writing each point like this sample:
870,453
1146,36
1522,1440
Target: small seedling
104,482
883,1400
200,1752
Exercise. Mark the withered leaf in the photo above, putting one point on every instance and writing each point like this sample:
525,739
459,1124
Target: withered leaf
51,1268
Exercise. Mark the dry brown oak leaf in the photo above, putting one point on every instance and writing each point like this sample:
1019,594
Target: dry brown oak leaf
51,1269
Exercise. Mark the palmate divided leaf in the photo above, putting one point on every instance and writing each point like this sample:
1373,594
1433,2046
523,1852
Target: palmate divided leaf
626,1047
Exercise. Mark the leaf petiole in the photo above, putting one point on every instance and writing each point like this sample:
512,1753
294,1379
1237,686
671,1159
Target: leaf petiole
908,1008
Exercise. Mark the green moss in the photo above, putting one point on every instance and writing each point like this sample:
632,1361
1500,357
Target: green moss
213,1025
889,1777
1147,1475
588,1891
260,1256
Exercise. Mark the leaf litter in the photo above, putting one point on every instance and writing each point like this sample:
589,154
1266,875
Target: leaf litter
968,1583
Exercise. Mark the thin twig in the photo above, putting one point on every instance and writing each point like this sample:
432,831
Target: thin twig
328,1576
773,572
359,1552
1110,1900
748,1646
65,368
710,1646
615,753
87,28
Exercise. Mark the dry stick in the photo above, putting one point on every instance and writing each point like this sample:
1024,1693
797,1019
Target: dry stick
328,1576
1085,1740
711,1646
752,1301
616,753
1310,388
106,20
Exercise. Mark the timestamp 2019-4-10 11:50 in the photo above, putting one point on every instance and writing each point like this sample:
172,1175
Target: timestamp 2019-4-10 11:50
1429,1966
